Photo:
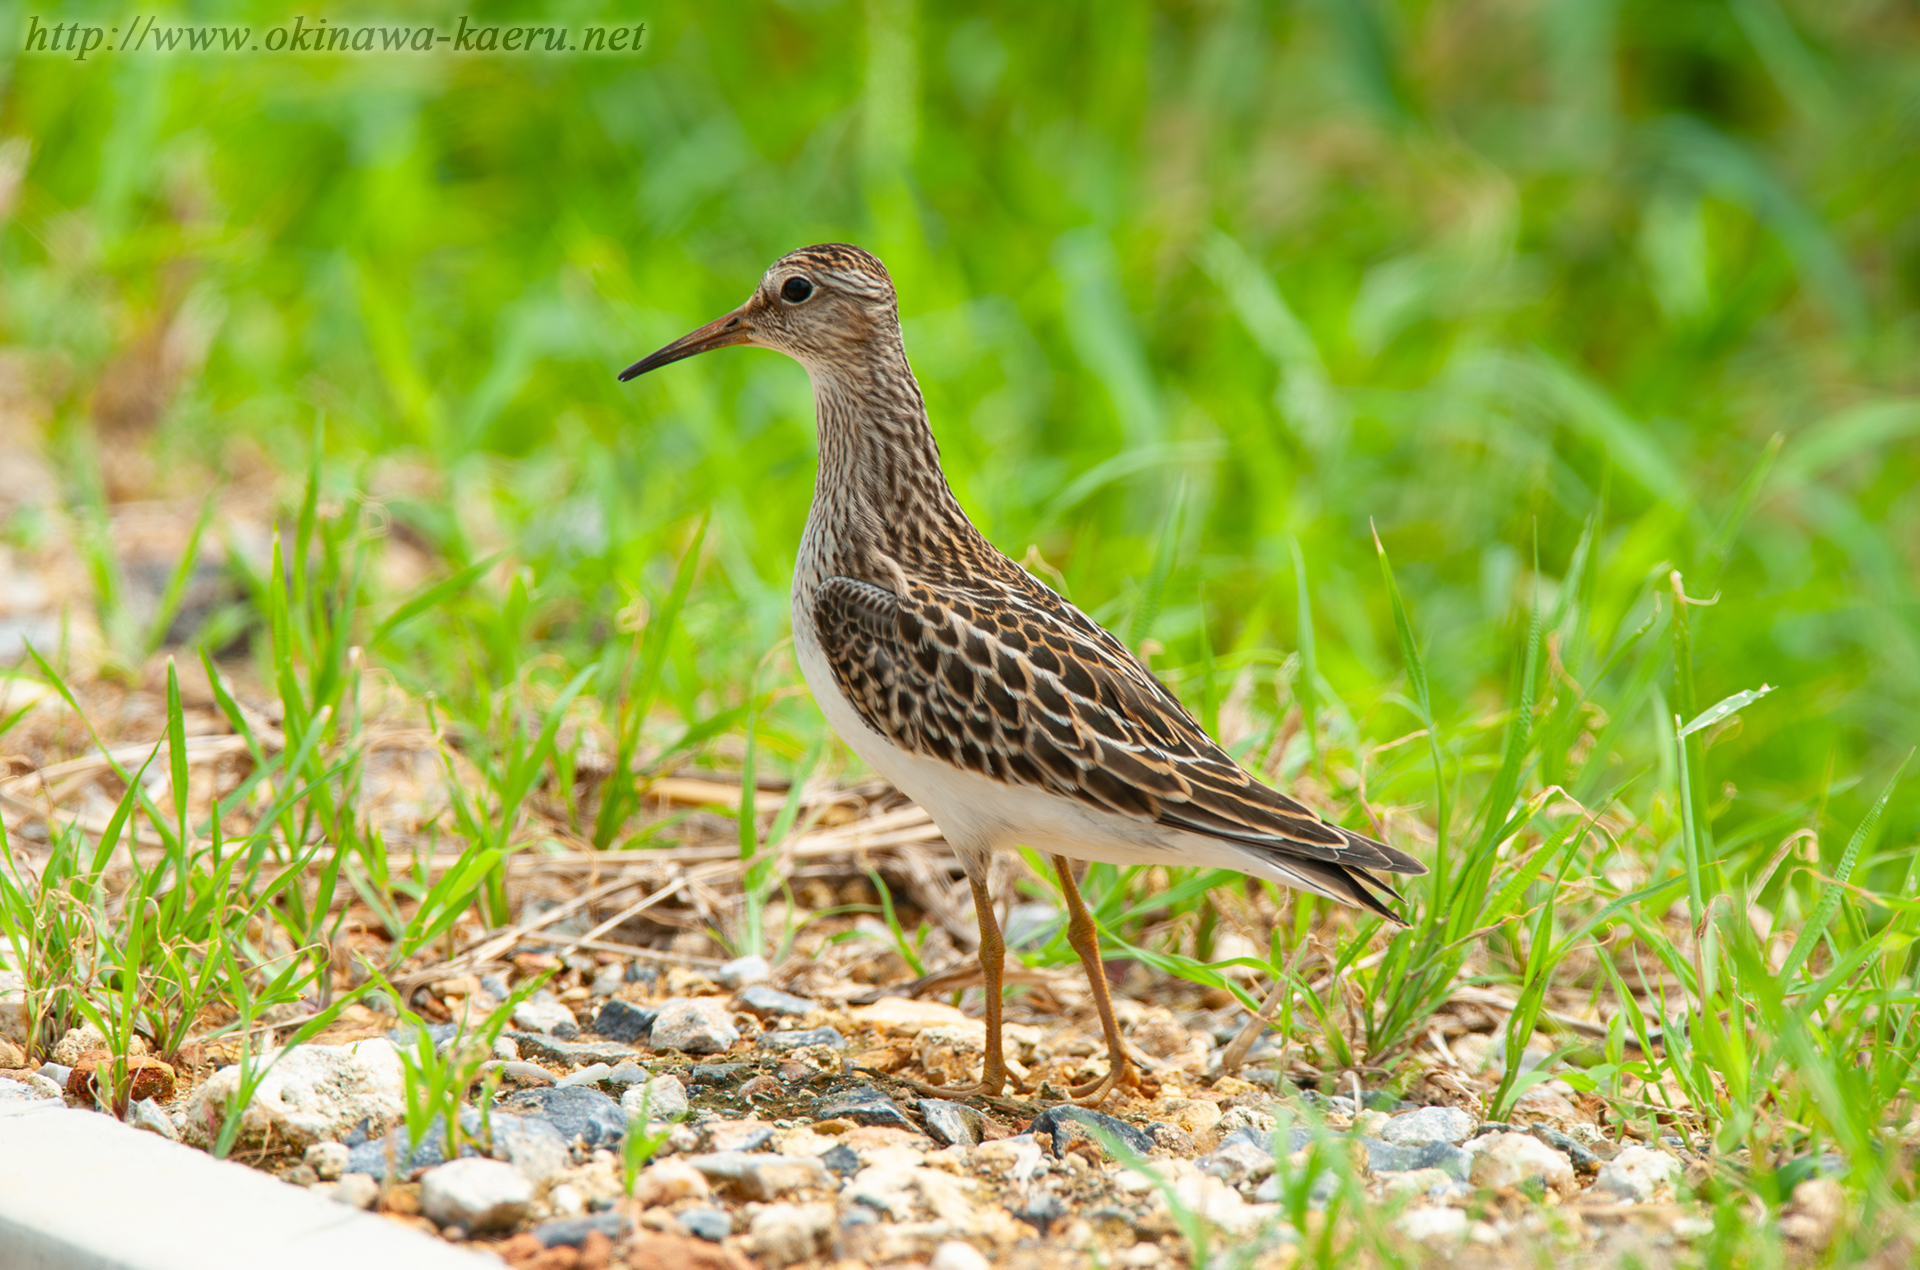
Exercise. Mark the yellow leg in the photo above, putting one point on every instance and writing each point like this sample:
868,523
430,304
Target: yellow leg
1085,939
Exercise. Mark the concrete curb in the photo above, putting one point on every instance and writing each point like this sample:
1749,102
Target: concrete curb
81,1191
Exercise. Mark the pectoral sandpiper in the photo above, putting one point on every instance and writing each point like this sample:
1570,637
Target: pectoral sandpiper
1003,710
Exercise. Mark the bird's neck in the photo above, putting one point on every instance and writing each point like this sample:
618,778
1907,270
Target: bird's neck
881,490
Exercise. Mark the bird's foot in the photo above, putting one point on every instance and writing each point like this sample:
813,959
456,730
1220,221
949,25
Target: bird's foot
1121,1074
991,1083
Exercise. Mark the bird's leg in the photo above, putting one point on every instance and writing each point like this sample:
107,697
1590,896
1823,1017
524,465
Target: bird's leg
1085,939
993,961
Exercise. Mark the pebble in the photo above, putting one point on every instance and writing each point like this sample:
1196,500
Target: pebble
1240,1158
20,1091
475,1194
328,1160
571,1232
667,1182
513,1072
591,1074
743,971
862,1104
56,1072
1434,1225
313,1093
149,1115
1429,1124
624,1021
1639,1174
841,1159
694,1026
956,1255
737,1135
802,1039
789,1233
951,1123
628,1073
578,1112
769,1002
355,1190
761,1176
1042,1211
710,1224
549,1018
1063,1124
1515,1159
722,1074
570,1053
608,979
77,1041
655,1098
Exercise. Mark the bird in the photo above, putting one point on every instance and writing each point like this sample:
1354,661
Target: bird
1010,716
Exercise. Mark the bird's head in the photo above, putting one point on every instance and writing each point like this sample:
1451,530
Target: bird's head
823,305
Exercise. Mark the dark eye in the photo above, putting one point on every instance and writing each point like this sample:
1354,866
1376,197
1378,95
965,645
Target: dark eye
795,289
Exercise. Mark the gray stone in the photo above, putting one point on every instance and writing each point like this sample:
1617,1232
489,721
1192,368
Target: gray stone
578,1113
1064,1124
742,971
496,986
56,1073
624,1021
862,1104
1446,1157
761,1176
737,1135
694,1025
1041,1211
771,1003
533,1146
724,1075
547,1017
1583,1159
661,1098
1639,1174
802,1040
1429,1124
628,1073
951,1123
475,1195
570,1053
1389,1157
149,1115
1237,1159
710,1224
571,1232
20,1091
841,1159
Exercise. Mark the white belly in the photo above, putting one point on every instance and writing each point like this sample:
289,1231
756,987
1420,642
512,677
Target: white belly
978,814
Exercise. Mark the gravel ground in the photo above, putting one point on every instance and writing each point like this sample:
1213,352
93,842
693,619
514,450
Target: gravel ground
793,1130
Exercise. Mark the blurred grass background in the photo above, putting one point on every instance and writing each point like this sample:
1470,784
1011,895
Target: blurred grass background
1202,296
1188,288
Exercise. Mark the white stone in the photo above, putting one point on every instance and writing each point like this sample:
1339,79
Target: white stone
1513,1159
566,1200
328,1160
1428,1124
668,1181
761,1175
1639,1174
16,1091
744,971
694,1025
956,1255
658,1098
313,1093
79,1040
789,1233
475,1194
1434,1225
591,1074
549,1017
356,1190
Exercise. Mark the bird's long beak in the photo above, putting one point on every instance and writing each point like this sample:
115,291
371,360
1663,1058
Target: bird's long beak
732,328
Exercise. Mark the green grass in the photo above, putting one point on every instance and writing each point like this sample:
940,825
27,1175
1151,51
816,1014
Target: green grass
1463,399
